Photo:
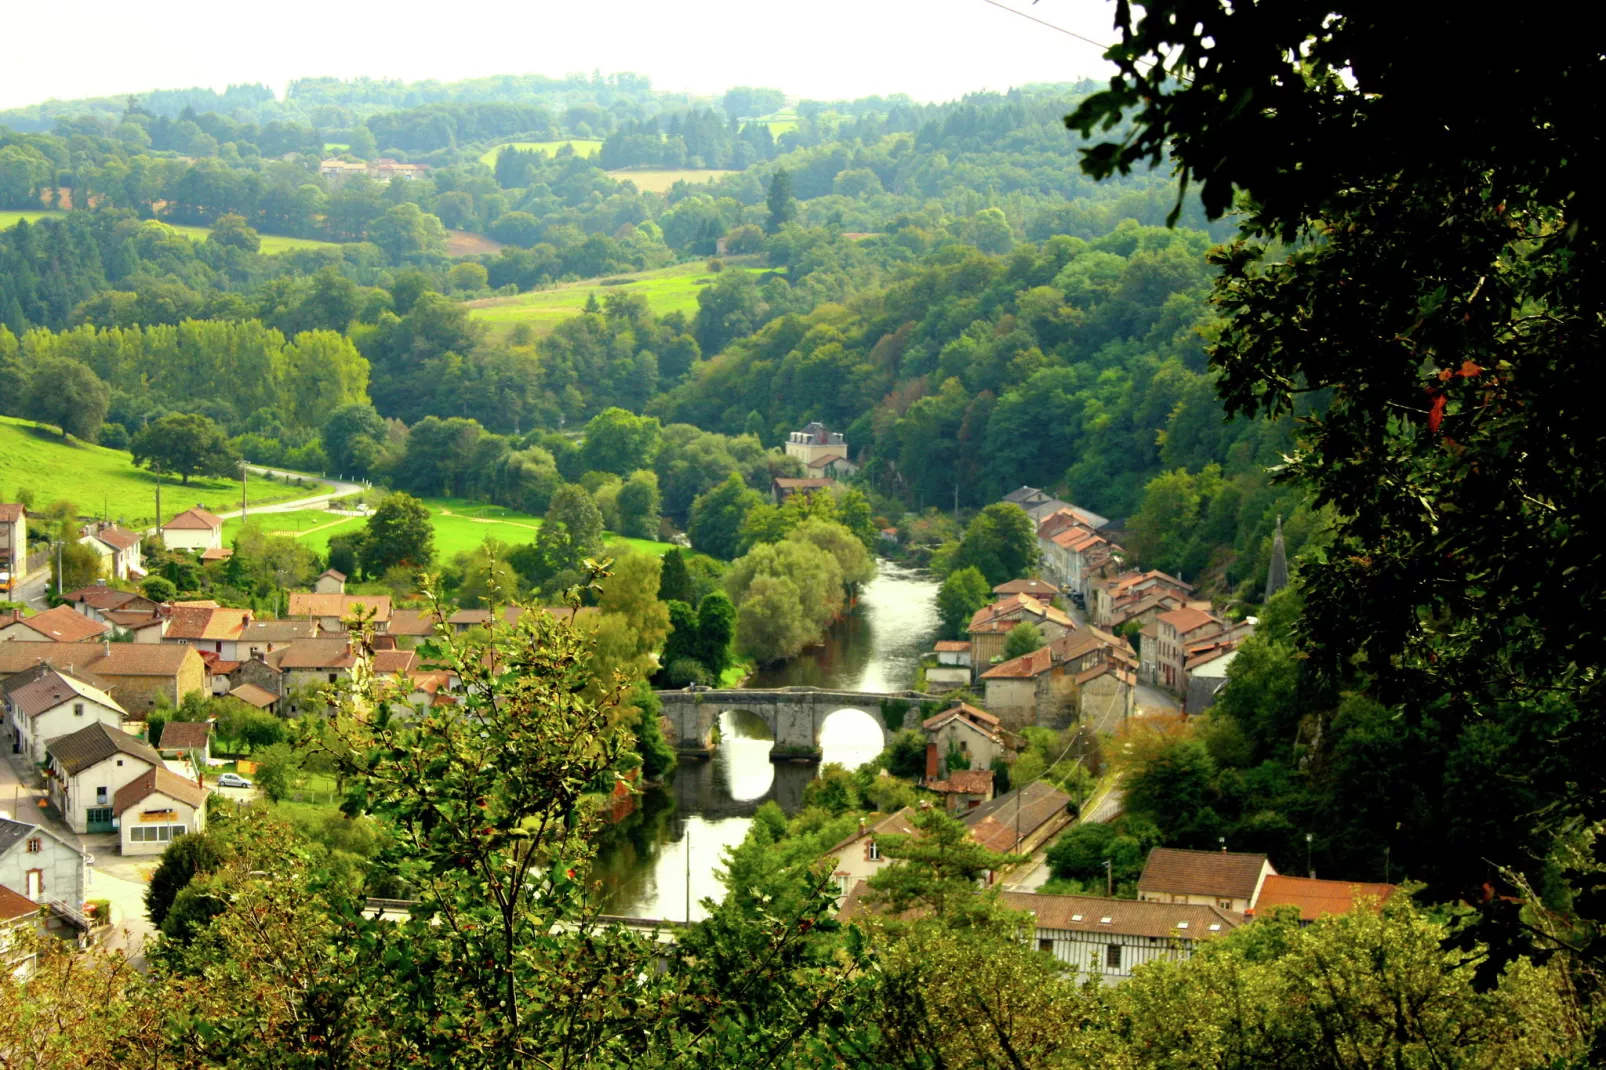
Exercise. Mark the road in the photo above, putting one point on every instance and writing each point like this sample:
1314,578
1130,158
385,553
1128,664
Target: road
1034,873
337,489
1153,700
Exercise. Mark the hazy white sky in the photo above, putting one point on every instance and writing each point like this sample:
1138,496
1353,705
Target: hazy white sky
931,49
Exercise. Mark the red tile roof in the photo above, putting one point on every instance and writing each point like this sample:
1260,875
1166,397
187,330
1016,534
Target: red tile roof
14,907
64,625
117,538
196,519
1187,620
1317,898
259,697
205,623
313,604
964,782
1229,874
158,779
185,735
1039,589
952,646
102,597
1024,667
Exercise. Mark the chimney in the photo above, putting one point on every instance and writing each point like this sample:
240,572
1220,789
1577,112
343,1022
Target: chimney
931,760
106,647
861,826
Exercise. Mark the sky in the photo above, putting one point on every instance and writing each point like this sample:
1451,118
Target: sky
933,50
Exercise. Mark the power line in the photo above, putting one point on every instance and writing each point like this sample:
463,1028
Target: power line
1043,22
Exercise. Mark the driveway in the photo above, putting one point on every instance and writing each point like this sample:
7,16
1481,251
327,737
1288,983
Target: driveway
122,882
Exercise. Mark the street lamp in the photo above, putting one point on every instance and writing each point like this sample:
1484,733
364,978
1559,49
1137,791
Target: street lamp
1109,880
1309,869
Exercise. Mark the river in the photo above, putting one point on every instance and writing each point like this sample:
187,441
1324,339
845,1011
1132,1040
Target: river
676,839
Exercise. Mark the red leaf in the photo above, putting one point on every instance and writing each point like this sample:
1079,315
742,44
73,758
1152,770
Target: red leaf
1436,413
1468,369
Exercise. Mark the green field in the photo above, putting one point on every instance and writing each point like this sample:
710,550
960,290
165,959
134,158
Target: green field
583,146
271,243
99,480
459,526
9,219
653,180
779,122
670,289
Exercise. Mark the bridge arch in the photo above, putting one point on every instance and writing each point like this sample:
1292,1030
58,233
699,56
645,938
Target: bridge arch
794,714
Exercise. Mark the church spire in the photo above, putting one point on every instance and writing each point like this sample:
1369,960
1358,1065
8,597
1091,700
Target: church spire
1277,573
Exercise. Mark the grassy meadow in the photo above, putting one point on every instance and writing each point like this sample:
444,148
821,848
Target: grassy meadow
654,180
96,479
583,146
670,289
9,219
460,526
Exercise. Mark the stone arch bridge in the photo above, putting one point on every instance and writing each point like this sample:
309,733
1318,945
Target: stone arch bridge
794,714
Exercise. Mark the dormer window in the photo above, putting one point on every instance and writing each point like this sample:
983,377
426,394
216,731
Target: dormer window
1182,925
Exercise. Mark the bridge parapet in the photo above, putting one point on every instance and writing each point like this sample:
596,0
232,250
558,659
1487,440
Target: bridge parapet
793,714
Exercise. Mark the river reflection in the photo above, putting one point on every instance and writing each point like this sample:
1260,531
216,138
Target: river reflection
679,834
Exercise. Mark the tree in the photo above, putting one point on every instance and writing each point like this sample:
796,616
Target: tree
399,534
353,438
1023,638
69,394
717,516
184,858
158,589
276,766
73,566
779,201
936,867
638,506
674,584
1001,541
185,444
716,632
407,231
572,530
770,623
617,441
1410,306
467,278
231,231
963,592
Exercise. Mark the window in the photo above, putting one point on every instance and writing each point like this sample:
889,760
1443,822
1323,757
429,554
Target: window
1224,904
100,795
36,845
77,709
873,851
1045,944
155,833
334,678
1112,957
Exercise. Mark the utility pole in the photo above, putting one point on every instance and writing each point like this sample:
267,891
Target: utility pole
1109,880
245,478
158,472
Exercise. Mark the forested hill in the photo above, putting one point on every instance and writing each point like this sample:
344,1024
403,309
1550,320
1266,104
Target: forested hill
940,281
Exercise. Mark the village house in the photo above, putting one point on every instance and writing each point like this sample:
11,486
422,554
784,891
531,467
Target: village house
187,741
86,770
44,702
258,671
381,170
56,625
209,629
330,581
1230,880
333,611
135,674
991,624
1041,590
194,529
1020,821
1088,673
216,555
1135,596
1206,676
156,808
858,858
118,550
98,600
1110,938
256,695
830,467
17,912
815,443
963,789
13,545
975,735
783,487
953,652
324,661
45,869
1175,631
1317,899
262,637
1039,504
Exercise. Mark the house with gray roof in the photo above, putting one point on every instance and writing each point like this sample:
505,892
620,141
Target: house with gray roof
46,869
86,770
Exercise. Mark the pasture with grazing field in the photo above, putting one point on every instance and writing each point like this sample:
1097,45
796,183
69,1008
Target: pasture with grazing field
670,289
583,146
96,479
9,219
654,180
460,526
